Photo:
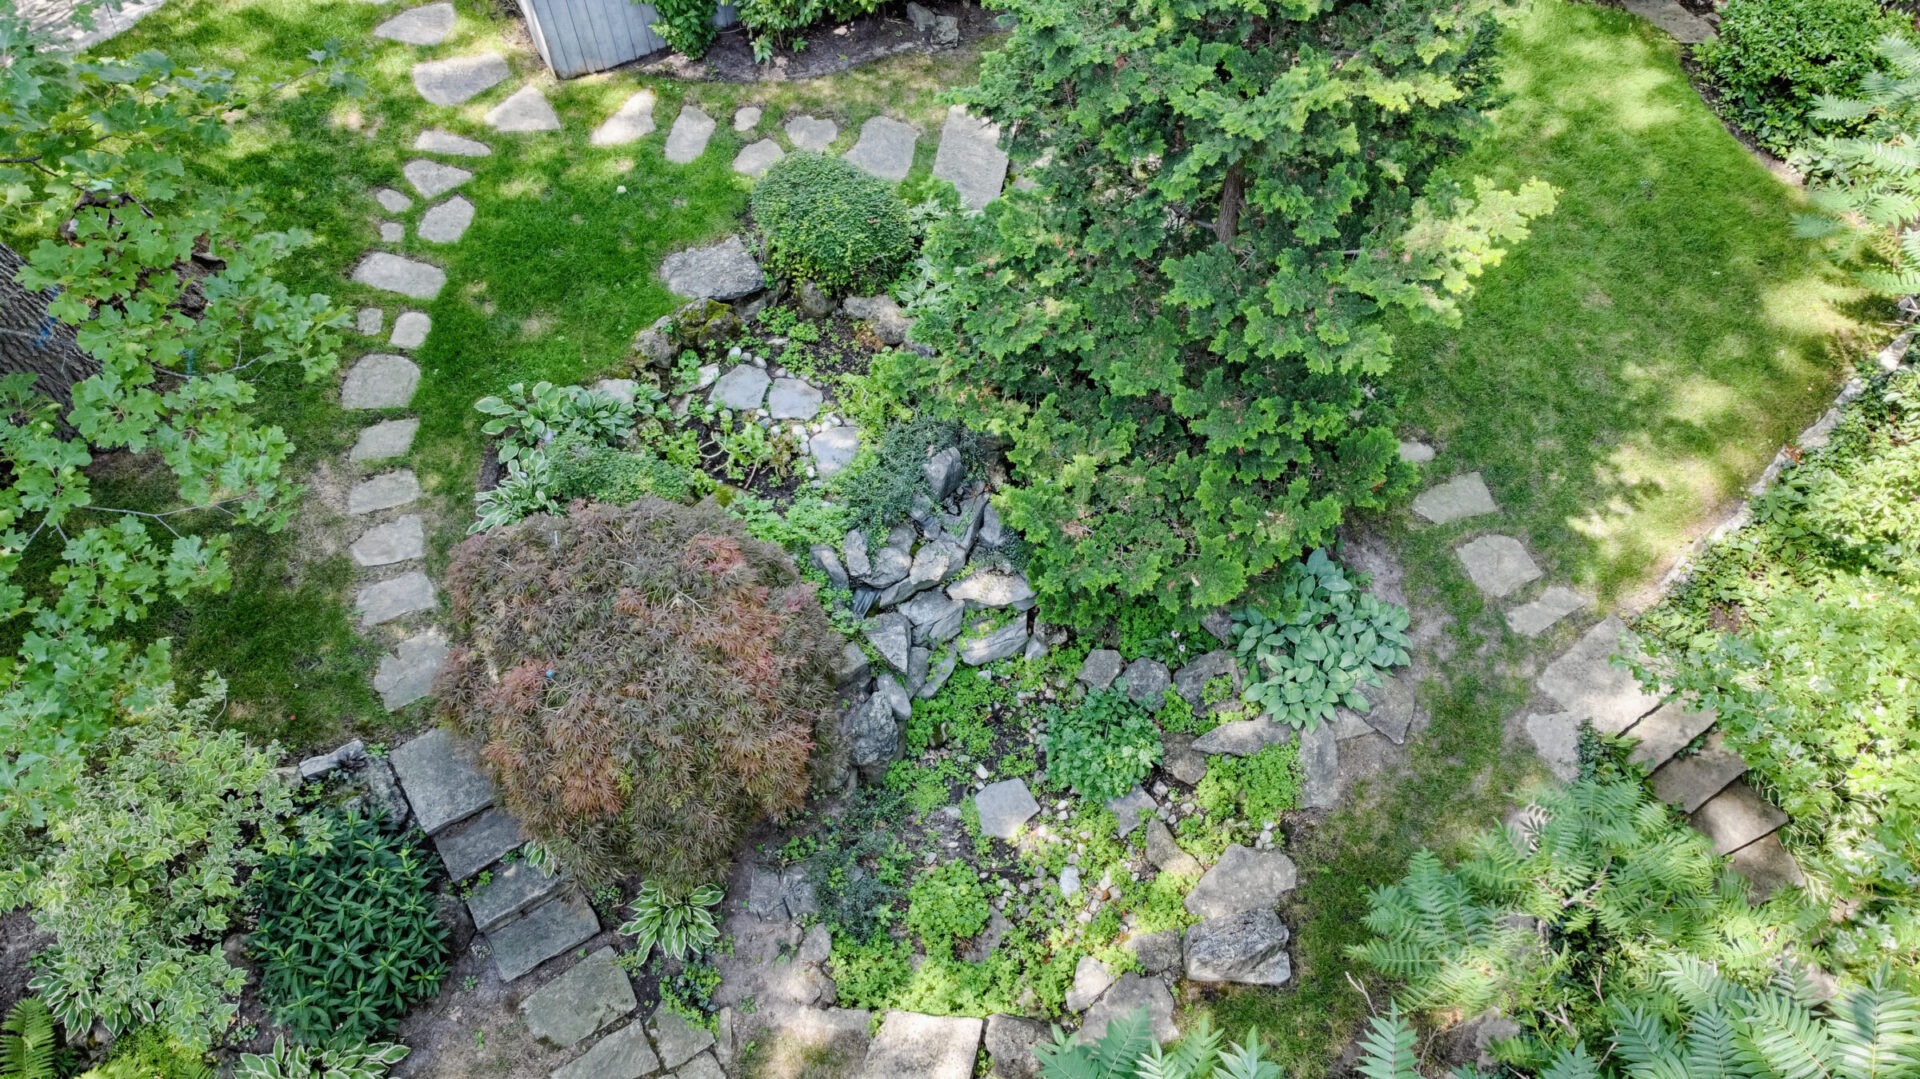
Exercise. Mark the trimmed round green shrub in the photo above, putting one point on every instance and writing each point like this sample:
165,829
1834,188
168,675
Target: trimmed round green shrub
827,222
1774,57
685,25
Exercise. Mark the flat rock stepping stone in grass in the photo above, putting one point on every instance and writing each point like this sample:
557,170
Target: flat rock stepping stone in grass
442,782
623,1054
1689,782
399,540
380,380
923,1046
1249,948
756,158
477,842
438,141
1416,453
1556,737
368,320
524,112
1004,807
1767,866
812,133
1243,738
517,888
688,139
408,277
392,232
407,675
833,450
1498,565
1680,24
1736,817
970,158
1455,500
447,222
1243,879
1130,810
1667,730
631,122
588,997
428,24
392,201
792,399
746,118
410,329
1540,615
724,272
678,1040
454,81
884,149
383,440
1130,994
384,601
1585,681
434,178
1319,767
741,389
550,929
383,492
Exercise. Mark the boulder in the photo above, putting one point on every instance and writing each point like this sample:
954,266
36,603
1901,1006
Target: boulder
873,736
1010,1046
829,563
888,689
1157,952
1146,682
944,471
1243,738
1243,879
993,589
1009,640
1191,680
850,666
1102,666
1091,978
724,271
880,313
892,636
1249,948
1130,994
1165,853
590,995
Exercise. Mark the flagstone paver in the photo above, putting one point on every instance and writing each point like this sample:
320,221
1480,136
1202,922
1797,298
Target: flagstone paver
393,273
527,110
1556,737
383,440
1533,618
392,232
392,201
410,330
741,389
438,141
368,321
590,996
428,24
384,601
1498,565
443,781
632,122
454,81
402,539
747,118
1736,817
446,222
434,178
407,675
812,133
623,1054
477,842
1586,682
1455,500
833,450
542,933
688,139
380,380
1688,782
885,148
970,158
793,399
757,157
515,889
1668,730
386,491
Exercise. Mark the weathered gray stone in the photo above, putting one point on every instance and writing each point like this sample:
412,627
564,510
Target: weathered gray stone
833,450
1130,809
943,472
946,32
428,24
1668,730
437,141
920,16
1249,948
383,492
1585,681
1157,952
1191,680
434,178
947,626
851,666
408,277
368,320
383,795
1680,24
892,636
724,271
688,139
757,157
1010,1046
442,782
1533,618
882,316
1689,782
747,118
888,689
591,995
932,563
857,548
766,895
801,900
407,675
1736,817
392,232
1319,767
1556,737
1165,853
380,380
993,589
828,562
1101,667
1008,640
623,1054
454,81
1181,760
1004,807
383,440
884,149
447,222
704,1066
677,1040
1455,500
812,133
631,122
1070,881
873,736
517,888
1767,866
1243,879
1395,704
624,390
1415,453
314,767
399,540
929,607
970,158
524,112
547,930
1243,737
1130,994
1497,565
1090,979
1146,683
410,330
924,1047
793,399
477,842
409,593
741,389
938,676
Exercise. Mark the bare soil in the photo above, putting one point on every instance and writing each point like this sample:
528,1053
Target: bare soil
823,51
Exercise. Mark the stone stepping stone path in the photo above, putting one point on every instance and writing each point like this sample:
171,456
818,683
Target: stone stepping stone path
408,277
380,380
455,81
479,841
435,141
383,492
747,118
812,133
724,271
884,149
688,139
384,440
1455,500
384,601
632,122
592,995
429,24
410,330
392,232
757,157
1497,565
923,1046
833,450
434,178
1536,616
392,201
402,539
527,110
1005,808
368,320
407,675
1679,23
447,222
970,158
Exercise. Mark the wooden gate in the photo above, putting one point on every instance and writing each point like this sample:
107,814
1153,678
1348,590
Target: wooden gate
576,37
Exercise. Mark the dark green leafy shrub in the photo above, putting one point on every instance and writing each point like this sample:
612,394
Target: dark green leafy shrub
685,25
1322,641
947,905
348,937
646,682
779,22
829,223
1102,747
1773,58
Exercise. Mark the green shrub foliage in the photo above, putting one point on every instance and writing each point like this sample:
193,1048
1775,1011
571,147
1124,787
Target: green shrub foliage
1865,186
1774,58
685,25
1324,640
881,487
829,223
947,905
1103,747
348,937
1128,1050
1178,330
780,22
646,682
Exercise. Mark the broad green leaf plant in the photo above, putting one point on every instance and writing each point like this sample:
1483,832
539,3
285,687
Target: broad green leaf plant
1325,640
682,926
294,1061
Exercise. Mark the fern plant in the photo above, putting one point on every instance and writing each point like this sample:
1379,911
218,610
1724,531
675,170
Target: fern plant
27,1041
1866,187
1128,1050
680,925
368,1061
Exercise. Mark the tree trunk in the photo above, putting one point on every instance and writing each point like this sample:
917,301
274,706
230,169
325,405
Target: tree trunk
34,342
1232,194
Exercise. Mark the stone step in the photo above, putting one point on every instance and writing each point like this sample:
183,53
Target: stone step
434,178
477,842
384,601
970,158
380,380
392,202
438,141
623,1054
1586,682
923,1046
632,122
1737,817
442,780
388,490
1689,782
1667,730
884,149
516,889
410,329
527,110
407,277
1767,866
384,440
446,222
688,139
429,24
1498,565
407,675
402,539
1537,616
590,996
1455,500
563,922
454,81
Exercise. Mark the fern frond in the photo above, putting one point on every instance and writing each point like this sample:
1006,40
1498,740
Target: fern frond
26,1050
1781,1036
1386,1052
1876,1031
1572,1063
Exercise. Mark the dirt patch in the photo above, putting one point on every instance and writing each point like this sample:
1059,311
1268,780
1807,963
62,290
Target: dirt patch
20,941
825,50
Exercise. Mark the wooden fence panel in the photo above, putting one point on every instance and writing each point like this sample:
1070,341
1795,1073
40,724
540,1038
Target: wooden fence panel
577,37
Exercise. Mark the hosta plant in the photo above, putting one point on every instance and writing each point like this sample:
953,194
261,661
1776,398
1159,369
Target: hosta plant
368,1061
1324,640
526,419
680,925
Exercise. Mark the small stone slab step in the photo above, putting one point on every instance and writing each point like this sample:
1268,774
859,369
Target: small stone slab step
477,842
833,450
407,675
704,1066
1680,24
517,888
383,492
1497,565
1319,767
384,601
1243,879
1537,616
1768,867
678,1040
1004,807
380,380
408,277
1556,737
411,328
524,112
741,389
1132,993
392,232
885,148
1455,500
747,117
1689,782
757,157
1585,681
1668,730
970,158
688,139
442,781
368,320
436,140
923,1046
447,222
434,178
623,1054
631,122
590,996
725,271
454,81
1243,737
553,927
1736,817
384,440
812,133
392,201
793,399
428,24
399,540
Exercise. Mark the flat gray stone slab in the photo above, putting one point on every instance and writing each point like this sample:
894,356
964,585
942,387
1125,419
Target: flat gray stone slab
1243,879
923,1046
1455,500
411,328
1004,807
970,158
1667,730
392,201
434,178
678,1040
453,81
439,141
399,540
1736,817
1679,23
1009,640
1537,616
631,122
517,888
812,133
1243,737
993,589
1131,810
1249,948
384,601
428,24
1556,737
1090,979
1100,668
1146,682
884,149
447,222
392,232
477,842
383,492
792,399
1130,994
1319,767
1416,453
407,675
757,157
547,930
586,999
368,320
725,271
1767,866
384,440
1689,782
380,380
833,450
623,1054
1585,681
741,389
408,277
747,118
442,781
1498,565
524,112
688,139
